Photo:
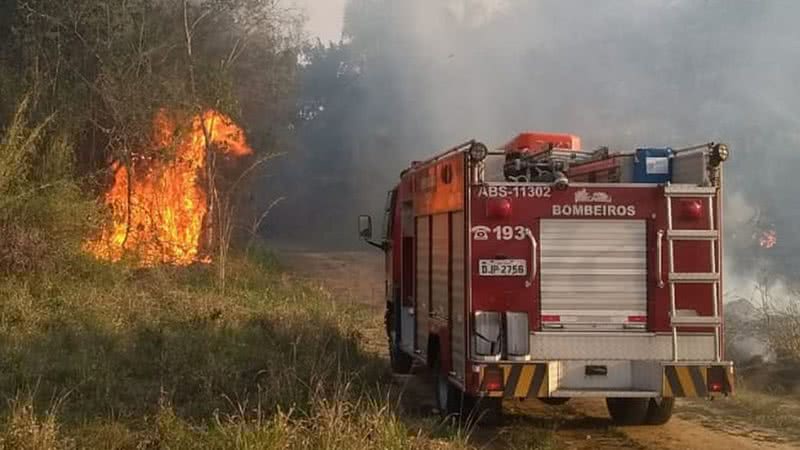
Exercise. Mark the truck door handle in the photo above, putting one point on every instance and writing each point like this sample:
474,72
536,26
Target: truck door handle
534,263
659,257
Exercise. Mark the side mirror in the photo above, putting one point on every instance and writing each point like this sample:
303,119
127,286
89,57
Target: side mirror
365,227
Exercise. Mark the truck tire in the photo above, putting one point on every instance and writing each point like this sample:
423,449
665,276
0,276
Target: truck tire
448,397
400,361
659,411
628,411
466,409
483,410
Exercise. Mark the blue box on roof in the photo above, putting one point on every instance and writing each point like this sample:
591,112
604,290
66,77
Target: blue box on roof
652,165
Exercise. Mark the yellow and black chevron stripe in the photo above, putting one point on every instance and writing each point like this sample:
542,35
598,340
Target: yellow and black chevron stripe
519,380
692,381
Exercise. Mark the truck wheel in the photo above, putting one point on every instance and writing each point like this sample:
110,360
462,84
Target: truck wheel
628,411
453,403
448,397
483,410
659,411
401,361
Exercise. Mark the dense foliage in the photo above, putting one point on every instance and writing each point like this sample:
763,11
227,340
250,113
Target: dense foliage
82,82
100,355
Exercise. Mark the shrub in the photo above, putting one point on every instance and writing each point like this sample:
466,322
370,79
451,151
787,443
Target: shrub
43,214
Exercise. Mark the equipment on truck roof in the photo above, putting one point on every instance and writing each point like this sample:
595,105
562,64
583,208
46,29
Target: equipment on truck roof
547,163
542,158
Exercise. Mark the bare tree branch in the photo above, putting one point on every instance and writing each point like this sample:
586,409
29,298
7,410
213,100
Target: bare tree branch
257,223
263,160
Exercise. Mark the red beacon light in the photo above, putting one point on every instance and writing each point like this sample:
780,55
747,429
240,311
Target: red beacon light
692,209
499,208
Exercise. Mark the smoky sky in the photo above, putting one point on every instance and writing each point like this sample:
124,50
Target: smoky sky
431,74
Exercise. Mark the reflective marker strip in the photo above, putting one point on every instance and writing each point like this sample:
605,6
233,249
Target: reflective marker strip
688,381
524,385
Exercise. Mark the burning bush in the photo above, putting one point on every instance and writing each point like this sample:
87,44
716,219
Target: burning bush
160,201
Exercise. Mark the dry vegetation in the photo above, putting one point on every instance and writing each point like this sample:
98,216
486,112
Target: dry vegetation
115,358
762,340
109,357
106,356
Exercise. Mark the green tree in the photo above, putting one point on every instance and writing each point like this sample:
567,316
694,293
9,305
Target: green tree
101,70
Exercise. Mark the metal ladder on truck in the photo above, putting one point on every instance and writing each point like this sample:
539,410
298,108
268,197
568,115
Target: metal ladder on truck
711,235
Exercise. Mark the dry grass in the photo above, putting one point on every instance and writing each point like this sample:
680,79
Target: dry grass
106,356
160,359
752,411
25,430
779,411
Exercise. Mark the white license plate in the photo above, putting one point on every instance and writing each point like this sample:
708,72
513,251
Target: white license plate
503,268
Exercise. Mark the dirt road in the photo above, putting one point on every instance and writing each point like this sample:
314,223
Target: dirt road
357,277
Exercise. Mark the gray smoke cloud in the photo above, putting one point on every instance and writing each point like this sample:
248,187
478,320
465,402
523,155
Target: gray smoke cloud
430,74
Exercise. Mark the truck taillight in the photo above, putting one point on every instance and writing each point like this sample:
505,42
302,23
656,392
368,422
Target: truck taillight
493,379
487,335
718,380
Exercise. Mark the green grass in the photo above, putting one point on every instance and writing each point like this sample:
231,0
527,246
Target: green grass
111,357
106,356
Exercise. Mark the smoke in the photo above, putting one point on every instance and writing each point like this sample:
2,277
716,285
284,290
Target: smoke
424,75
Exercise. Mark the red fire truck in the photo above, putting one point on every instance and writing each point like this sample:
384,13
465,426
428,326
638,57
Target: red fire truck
541,270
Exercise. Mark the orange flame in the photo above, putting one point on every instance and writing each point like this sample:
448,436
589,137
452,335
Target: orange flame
160,216
768,239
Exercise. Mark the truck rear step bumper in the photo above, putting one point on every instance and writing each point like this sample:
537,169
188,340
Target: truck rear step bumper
560,346
575,393
643,379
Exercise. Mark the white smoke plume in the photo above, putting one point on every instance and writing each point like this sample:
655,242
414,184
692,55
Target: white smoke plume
621,73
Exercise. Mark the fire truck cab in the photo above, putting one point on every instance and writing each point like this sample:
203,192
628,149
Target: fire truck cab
541,270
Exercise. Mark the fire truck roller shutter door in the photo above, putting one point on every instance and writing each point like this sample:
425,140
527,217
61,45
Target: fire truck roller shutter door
440,266
594,272
423,286
457,312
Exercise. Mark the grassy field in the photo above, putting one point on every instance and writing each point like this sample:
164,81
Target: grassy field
98,355
754,410
115,358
